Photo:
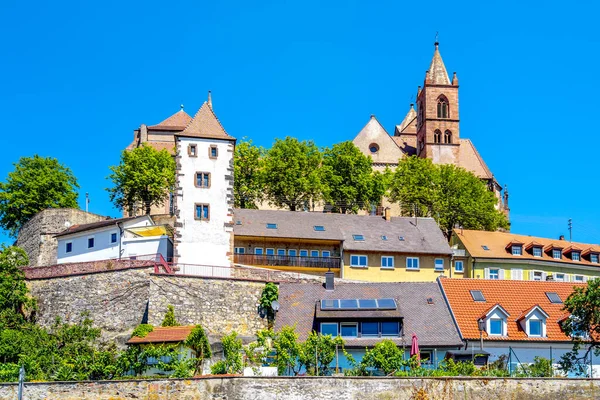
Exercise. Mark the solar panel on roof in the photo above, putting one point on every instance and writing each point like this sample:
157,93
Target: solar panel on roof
349,304
554,297
477,295
329,304
367,303
386,304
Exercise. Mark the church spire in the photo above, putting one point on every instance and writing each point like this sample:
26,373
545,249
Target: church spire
437,70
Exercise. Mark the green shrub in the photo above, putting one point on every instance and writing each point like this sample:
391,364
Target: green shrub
142,330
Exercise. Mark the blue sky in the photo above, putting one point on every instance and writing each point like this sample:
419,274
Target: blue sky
77,77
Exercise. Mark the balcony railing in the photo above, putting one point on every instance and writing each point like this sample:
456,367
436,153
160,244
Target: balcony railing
288,261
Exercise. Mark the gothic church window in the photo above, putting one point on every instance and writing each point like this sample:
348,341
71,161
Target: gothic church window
442,107
447,137
437,136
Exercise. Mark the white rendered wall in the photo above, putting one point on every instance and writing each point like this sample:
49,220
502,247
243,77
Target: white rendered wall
204,243
146,246
103,249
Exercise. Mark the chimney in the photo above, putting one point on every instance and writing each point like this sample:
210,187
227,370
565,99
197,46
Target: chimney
209,101
388,214
143,133
329,280
561,237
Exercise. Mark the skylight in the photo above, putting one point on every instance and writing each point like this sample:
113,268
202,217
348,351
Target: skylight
358,304
238,222
485,247
383,237
358,238
271,226
554,297
401,238
477,295
319,228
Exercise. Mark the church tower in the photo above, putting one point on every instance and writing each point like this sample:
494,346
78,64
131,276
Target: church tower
437,114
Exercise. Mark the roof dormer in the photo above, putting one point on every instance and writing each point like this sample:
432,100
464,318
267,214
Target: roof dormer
535,249
515,247
573,252
496,321
533,322
554,250
591,254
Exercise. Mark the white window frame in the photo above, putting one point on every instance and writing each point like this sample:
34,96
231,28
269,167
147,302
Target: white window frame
271,250
292,252
280,252
303,251
354,324
359,258
239,250
554,252
542,275
262,251
489,326
556,278
537,249
578,280
578,256
413,268
314,253
388,259
462,266
93,242
435,264
494,275
517,250
325,253
541,322
594,258
516,274
66,244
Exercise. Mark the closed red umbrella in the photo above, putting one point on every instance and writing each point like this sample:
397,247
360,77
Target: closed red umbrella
414,349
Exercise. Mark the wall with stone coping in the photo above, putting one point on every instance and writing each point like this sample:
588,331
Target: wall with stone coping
364,388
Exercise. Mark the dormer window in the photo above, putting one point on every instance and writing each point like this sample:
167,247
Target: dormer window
556,254
533,322
594,258
517,249
496,321
535,327
537,251
575,256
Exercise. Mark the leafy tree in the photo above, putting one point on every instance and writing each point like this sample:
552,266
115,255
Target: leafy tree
385,356
350,182
583,326
541,367
15,302
269,294
232,351
247,170
169,319
451,195
35,184
292,173
287,350
144,175
198,342
318,352
258,352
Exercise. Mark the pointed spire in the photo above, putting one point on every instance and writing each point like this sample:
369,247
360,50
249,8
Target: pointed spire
209,100
437,70
418,90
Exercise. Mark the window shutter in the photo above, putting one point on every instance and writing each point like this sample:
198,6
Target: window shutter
544,276
516,274
500,273
566,277
487,273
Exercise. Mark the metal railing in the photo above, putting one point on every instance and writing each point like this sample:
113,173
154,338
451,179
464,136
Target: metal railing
288,261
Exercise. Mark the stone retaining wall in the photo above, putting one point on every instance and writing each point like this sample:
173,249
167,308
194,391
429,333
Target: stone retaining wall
314,388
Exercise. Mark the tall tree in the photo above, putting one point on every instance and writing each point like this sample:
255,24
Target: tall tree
451,195
292,173
247,167
144,175
349,179
15,302
35,184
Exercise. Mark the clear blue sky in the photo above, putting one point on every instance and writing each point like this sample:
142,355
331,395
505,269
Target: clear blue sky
77,77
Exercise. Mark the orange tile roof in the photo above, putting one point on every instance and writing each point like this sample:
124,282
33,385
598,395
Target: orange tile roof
176,122
205,124
164,335
516,297
497,243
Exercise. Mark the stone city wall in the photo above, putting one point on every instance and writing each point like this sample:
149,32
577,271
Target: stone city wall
266,388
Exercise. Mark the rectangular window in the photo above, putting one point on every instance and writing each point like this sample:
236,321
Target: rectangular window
559,277
516,250
494,273
68,247
578,278
556,254
314,253
202,180
358,238
329,328
594,258
358,261
348,330
303,253
281,252
390,329
113,238
387,262
439,264
213,151
271,226
192,150
535,327
575,256
270,252
90,243
292,252
319,228
537,251
325,253
537,275
258,251
412,262
202,212
240,250
370,328
459,266
496,326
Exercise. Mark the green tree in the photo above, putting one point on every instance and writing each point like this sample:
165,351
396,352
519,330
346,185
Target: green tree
35,184
198,342
247,170
451,195
269,294
169,319
583,326
292,174
15,302
232,352
385,356
144,175
287,350
349,179
318,352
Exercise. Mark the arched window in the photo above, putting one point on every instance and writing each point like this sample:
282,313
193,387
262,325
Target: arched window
437,136
443,109
447,137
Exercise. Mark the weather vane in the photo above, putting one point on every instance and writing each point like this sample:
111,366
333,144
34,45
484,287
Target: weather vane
436,37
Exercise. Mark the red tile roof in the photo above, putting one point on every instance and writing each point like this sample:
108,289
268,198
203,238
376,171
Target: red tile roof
205,124
516,297
164,335
176,122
